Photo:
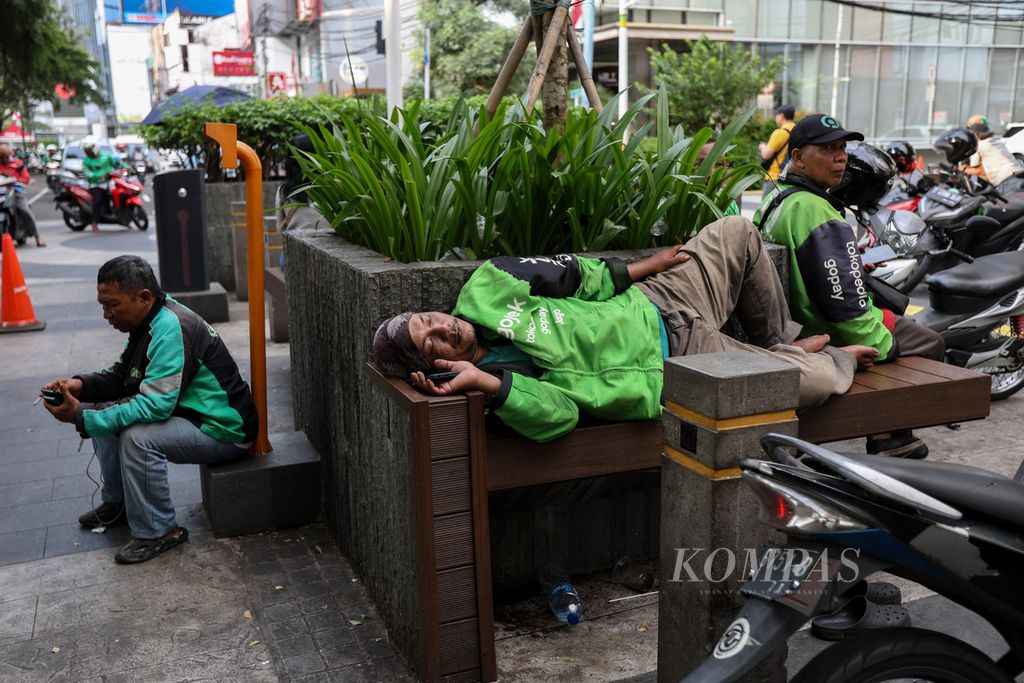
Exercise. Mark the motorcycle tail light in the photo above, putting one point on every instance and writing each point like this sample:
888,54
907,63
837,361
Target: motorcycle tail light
793,511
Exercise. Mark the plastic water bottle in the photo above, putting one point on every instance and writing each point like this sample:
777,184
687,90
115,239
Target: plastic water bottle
562,597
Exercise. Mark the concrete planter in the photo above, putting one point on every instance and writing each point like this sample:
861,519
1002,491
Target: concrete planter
220,240
338,294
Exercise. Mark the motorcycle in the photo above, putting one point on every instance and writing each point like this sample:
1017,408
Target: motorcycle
123,207
954,529
140,167
53,174
10,217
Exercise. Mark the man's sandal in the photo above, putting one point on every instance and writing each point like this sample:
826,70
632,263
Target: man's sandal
856,616
142,549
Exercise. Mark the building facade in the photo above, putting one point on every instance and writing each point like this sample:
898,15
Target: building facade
897,69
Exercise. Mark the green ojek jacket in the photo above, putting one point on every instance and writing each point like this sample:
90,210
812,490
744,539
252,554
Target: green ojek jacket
593,336
97,169
827,290
174,364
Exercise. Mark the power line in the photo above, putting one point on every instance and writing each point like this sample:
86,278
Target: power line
994,20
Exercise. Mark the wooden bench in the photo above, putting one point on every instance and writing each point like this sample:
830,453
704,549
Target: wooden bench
457,463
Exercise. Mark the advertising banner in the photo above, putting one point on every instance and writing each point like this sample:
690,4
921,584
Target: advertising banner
157,11
234,63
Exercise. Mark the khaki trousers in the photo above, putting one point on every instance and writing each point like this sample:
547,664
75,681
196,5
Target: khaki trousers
730,272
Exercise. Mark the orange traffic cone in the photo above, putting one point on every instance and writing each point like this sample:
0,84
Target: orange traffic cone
16,314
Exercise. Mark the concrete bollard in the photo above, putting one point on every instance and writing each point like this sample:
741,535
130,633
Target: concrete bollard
717,406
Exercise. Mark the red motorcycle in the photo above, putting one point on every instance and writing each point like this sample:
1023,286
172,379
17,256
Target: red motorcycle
123,207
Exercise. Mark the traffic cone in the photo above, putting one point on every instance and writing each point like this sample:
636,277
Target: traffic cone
16,314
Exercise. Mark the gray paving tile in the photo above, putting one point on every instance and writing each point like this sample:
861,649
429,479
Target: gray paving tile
68,539
21,546
35,660
53,431
358,673
25,492
303,664
16,619
34,470
42,514
295,646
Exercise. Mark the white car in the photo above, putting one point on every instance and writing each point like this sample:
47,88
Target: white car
1014,139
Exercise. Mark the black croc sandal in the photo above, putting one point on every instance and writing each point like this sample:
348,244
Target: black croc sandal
856,616
878,592
142,549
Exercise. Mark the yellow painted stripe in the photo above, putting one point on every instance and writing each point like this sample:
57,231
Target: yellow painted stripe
700,468
914,310
711,423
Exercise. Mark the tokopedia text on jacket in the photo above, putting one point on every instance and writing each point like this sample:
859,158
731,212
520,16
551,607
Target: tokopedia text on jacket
174,364
593,338
827,284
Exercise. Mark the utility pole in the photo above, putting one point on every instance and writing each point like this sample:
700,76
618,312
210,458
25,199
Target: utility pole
834,110
624,6
262,29
393,52
588,33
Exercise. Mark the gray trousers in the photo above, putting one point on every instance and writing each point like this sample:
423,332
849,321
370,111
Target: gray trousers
27,218
729,272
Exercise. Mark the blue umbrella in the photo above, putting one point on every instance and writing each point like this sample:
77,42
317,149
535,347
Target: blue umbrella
215,94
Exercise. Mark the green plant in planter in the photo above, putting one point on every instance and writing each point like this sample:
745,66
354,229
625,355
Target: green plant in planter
504,185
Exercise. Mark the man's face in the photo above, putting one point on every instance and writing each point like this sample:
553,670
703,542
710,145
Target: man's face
123,310
439,335
5,152
824,164
779,120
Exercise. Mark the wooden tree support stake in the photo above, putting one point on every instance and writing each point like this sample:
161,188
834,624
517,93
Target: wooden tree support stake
551,40
508,70
586,79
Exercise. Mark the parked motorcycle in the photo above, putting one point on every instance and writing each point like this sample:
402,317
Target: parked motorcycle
951,528
10,217
123,207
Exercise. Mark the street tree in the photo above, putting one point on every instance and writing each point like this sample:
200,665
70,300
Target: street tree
711,83
468,46
38,52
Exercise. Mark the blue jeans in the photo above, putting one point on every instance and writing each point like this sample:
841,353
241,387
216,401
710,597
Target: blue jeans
134,468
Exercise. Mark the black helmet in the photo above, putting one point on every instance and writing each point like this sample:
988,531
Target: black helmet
957,144
902,152
869,174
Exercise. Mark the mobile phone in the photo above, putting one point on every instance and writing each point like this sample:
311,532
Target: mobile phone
441,377
878,254
52,396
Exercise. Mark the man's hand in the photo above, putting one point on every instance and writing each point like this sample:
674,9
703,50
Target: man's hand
74,385
67,410
470,378
658,263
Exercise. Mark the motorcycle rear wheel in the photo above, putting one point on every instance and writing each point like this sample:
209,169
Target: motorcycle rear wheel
901,654
76,222
140,218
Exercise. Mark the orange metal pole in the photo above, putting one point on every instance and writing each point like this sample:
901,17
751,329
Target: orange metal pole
232,150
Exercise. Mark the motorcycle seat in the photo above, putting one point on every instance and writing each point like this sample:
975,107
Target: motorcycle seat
1008,212
965,488
989,277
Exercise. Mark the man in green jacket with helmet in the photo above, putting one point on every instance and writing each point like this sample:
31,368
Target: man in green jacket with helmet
547,338
828,283
96,167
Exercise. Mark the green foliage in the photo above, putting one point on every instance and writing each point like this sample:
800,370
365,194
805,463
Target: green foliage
504,185
711,83
37,53
467,47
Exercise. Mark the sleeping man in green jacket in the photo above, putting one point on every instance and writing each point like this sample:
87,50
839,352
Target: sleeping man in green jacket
547,338
174,395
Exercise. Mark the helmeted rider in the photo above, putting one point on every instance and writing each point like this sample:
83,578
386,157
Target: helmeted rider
96,167
14,167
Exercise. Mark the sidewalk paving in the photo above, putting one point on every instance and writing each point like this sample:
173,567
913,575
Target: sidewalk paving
267,607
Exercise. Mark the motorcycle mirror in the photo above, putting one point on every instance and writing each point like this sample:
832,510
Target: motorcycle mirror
982,223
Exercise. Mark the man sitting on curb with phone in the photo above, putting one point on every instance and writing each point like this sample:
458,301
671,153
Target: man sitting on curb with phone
827,279
547,338
174,395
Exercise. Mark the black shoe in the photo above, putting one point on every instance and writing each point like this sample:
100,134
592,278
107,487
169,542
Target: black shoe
908,446
141,549
107,514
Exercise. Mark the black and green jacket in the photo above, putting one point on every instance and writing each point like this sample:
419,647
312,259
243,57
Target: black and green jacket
593,337
828,291
174,364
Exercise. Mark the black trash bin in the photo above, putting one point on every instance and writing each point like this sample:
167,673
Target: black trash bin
181,230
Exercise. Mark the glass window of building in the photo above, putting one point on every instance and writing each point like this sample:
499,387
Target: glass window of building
896,27
805,19
860,88
830,21
1000,86
892,71
827,84
949,75
666,16
954,30
926,28
1007,32
921,60
981,29
867,24
773,19
974,91
739,14
698,18
1018,100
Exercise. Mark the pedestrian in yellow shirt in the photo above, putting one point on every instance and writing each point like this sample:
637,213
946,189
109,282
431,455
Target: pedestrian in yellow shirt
773,152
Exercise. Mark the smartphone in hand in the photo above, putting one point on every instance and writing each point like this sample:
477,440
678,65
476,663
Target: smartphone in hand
54,397
877,254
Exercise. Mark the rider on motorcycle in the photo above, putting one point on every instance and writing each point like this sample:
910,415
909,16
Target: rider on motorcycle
993,160
96,166
14,167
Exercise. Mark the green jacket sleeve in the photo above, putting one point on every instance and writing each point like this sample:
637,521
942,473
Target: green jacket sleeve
158,391
534,408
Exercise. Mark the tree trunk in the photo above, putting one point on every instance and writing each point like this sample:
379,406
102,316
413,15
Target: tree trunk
555,92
